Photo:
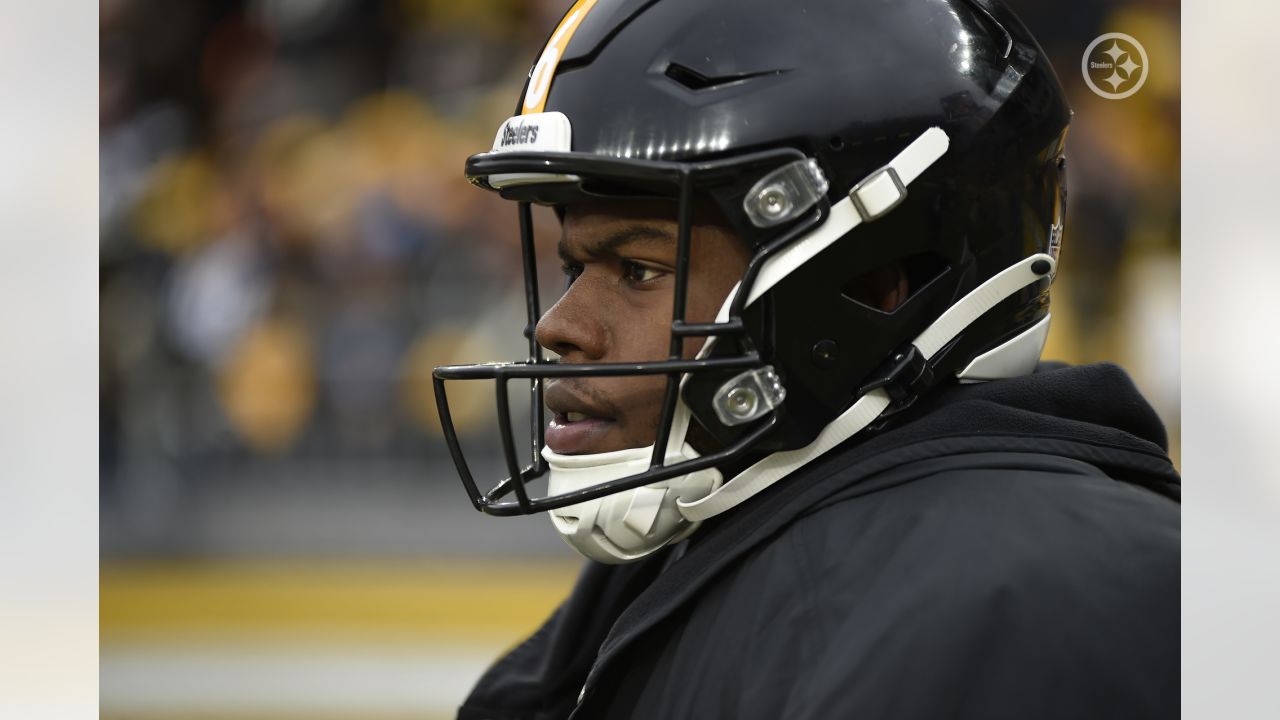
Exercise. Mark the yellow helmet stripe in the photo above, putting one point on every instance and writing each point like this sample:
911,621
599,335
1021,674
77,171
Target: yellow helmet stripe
535,98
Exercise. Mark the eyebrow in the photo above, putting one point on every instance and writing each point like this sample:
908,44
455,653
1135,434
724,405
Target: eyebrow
608,246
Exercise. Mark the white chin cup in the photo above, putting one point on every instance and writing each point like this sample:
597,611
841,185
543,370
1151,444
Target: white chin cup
628,525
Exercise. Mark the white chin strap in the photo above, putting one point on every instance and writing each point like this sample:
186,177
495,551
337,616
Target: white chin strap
629,525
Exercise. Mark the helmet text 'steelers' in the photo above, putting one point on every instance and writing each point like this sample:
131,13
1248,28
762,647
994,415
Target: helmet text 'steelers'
519,134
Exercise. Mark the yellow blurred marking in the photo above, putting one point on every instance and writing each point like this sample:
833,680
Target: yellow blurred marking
408,602
535,97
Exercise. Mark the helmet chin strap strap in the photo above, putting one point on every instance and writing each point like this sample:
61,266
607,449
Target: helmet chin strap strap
862,413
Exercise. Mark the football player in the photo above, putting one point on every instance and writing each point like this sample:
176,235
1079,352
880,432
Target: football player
796,417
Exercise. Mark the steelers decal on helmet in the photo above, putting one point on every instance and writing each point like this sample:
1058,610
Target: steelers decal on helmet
535,96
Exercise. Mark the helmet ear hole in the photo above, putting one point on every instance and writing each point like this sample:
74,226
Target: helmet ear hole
922,269
890,286
883,289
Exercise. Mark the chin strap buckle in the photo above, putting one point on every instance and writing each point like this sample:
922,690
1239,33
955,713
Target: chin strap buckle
905,375
877,194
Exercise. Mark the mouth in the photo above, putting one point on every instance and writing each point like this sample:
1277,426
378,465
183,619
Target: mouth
575,427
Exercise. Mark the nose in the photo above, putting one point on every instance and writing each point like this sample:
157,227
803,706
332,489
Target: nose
573,328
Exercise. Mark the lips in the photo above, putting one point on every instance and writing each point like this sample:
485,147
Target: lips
577,426
576,438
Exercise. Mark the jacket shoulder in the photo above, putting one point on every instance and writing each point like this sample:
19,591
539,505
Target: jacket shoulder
983,587
1011,510
1010,585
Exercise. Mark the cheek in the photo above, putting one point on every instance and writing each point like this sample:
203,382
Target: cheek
714,269
641,333
704,305
638,401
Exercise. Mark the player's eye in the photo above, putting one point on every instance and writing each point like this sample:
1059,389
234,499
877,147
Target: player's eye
572,270
637,274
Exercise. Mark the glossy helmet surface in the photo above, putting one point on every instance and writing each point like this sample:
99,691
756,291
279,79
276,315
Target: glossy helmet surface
702,99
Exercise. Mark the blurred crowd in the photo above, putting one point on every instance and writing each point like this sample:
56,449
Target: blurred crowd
288,247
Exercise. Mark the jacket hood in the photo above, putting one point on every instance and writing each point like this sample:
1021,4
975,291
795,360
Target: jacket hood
1093,413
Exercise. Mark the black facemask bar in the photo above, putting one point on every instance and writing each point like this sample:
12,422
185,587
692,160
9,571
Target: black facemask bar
536,369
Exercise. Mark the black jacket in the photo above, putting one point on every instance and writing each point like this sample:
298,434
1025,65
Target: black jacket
1008,550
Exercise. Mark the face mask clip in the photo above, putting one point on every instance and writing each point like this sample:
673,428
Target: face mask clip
785,193
748,396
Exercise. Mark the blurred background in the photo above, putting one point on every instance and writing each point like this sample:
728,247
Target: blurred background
287,247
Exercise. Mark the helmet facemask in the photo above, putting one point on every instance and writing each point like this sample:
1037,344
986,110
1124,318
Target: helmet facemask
669,456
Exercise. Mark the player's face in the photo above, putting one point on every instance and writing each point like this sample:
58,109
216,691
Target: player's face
620,259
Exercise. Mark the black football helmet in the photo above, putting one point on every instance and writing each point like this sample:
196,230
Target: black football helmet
837,137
